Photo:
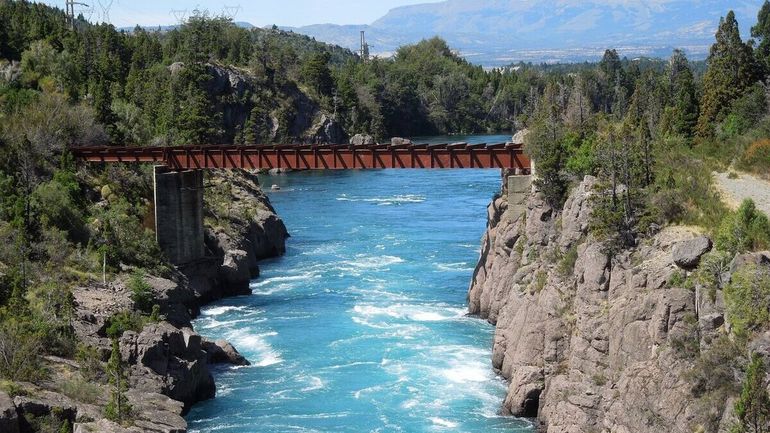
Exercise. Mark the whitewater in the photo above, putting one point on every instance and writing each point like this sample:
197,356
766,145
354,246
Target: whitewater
362,326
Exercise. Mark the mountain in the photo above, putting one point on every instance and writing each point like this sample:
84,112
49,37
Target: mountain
498,32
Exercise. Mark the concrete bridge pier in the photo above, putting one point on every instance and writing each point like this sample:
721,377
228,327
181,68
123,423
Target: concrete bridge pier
519,188
179,214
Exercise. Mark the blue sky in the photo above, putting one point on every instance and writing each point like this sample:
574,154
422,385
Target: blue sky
261,12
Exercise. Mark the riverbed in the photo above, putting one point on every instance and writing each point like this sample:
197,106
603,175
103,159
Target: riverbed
362,326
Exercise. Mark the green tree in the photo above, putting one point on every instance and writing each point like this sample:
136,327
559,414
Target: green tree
117,408
761,32
545,145
753,406
316,74
731,70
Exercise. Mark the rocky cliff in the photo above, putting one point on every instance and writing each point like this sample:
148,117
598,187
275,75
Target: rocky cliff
167,362
589,342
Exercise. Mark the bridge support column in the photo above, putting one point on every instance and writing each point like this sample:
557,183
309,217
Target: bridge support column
179,214
519,188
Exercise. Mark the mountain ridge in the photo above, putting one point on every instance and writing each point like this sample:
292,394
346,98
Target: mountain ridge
548,31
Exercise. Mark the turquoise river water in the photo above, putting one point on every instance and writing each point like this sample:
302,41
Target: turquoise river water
362,326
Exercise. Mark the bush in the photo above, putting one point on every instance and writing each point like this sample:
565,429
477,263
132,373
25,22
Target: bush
757,156
748,300
82,390
141,292
91,367
125,321
745,230
20,350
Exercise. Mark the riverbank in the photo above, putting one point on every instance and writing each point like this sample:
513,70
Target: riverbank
168,364
636,342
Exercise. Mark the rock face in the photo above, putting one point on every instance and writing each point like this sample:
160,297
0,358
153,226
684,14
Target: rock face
163,361
251,231
9,419
329,131
519,137
168,363
589,343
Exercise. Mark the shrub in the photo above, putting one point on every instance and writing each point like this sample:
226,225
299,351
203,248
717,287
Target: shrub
20,350
567,263
748,300
753,407
81,390
757,156
125,321
745,230
91,367
141,292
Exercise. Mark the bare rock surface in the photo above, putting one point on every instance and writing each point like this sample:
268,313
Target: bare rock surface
9,419
687,253
589,342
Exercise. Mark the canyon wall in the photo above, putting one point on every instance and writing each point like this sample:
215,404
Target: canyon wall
589,342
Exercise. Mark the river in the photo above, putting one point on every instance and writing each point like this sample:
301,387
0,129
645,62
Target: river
361,326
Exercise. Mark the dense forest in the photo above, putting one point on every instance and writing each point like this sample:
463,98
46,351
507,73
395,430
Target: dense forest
652,131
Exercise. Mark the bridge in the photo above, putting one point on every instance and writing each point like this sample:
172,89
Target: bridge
318,157
178,175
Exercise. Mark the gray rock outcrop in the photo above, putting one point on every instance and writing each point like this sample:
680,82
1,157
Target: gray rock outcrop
222,352
9,419
362,140
398,141
687,253
589,342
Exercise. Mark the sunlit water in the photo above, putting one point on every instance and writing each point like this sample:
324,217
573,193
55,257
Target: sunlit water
361,327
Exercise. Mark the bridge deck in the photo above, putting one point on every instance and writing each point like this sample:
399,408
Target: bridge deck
317,157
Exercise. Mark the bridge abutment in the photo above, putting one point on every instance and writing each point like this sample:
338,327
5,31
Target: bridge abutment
179,214
519,188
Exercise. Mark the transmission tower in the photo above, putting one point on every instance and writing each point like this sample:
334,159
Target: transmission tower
364,52
105,5
70,11
230,12
179,15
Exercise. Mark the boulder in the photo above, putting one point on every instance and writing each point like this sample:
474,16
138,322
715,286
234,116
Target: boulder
222,352
9,419
235,271
687,254
398,141
519,137
102,426
329,131
361,140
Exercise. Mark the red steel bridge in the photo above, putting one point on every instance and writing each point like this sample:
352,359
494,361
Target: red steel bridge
318,157
179,172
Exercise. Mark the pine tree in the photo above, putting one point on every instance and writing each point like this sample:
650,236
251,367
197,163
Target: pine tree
761,32
731,70
117,409
753,407
545,144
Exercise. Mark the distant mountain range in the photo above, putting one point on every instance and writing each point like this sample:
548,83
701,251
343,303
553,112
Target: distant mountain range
500,32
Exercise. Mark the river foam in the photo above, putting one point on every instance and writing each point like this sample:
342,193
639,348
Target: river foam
362,326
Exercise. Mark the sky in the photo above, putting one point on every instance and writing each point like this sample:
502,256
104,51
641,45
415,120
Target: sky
295,13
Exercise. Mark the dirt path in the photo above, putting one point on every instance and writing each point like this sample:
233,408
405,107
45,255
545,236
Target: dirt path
734,191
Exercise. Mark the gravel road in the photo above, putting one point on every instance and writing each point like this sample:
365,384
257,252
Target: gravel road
734,191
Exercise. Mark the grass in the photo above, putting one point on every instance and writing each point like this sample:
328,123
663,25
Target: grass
81,390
